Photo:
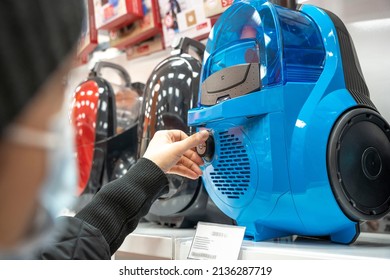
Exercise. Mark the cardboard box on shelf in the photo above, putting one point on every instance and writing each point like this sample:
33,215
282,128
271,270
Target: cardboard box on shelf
215,7
183,18
89,35
152,45
139,31
111,14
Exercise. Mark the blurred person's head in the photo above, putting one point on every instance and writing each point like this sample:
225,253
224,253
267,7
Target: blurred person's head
38,41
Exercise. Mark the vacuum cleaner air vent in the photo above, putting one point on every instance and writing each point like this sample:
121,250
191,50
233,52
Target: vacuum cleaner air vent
232,174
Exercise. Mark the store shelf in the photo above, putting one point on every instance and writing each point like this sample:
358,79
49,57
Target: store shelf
368,246
150,241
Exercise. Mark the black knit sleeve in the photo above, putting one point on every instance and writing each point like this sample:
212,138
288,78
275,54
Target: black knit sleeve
117,208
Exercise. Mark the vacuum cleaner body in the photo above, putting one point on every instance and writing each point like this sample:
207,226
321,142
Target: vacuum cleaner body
296,146
105,118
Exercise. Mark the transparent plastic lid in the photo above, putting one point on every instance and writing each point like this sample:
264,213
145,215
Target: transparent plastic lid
128,96
240,52
286,44
245,33
128,102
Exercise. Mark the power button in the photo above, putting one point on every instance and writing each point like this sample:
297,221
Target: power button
206,149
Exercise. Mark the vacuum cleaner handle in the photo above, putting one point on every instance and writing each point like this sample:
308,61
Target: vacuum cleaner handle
185,43
95,72
291,4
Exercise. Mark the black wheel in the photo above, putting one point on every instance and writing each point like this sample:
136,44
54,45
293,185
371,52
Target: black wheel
358,161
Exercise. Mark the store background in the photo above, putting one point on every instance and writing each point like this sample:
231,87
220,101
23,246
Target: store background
367,21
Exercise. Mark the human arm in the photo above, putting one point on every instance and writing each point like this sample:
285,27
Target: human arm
116,209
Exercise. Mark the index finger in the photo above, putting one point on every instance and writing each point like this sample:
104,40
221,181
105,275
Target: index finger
192,141
177,135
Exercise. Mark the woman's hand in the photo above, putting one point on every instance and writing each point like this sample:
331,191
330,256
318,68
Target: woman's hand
172,151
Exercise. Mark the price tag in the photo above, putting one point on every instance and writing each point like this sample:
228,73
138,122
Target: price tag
216,242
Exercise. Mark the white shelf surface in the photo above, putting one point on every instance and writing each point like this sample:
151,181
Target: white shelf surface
151,241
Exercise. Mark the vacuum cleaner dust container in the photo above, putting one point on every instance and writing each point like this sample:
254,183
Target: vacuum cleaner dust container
297,146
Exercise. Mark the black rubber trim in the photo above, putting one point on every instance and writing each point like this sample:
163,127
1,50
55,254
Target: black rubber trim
353,76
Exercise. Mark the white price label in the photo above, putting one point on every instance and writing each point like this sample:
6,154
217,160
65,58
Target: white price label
216,242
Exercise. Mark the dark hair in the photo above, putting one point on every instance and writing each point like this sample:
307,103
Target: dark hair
36,37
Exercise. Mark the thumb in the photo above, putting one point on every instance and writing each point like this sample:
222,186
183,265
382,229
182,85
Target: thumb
192,141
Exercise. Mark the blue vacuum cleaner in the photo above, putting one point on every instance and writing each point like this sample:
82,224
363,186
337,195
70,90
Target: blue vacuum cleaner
297,147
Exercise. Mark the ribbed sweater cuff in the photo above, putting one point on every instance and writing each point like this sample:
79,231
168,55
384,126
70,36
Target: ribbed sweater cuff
118,206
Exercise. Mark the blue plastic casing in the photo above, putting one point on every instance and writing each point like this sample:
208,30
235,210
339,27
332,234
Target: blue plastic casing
269,170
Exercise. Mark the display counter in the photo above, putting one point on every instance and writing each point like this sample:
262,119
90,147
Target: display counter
151,241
